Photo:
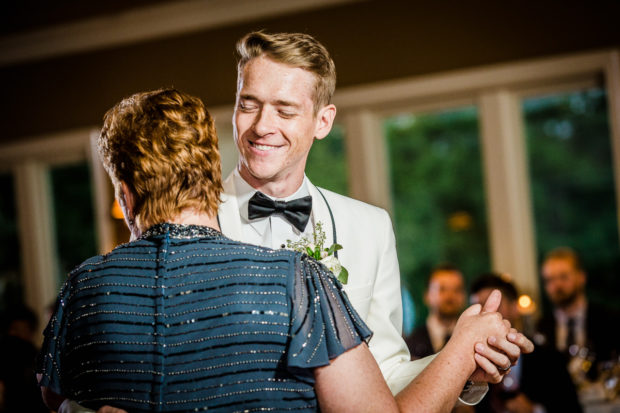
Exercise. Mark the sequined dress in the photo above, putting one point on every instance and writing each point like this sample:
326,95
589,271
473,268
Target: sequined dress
185,319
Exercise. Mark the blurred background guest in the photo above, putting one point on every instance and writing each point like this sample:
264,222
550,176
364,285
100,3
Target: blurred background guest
19,391
580,328
539,382
445,299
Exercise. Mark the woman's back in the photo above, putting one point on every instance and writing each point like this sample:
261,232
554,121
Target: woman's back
185,318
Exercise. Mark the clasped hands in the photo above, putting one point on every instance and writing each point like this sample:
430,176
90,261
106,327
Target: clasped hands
497,345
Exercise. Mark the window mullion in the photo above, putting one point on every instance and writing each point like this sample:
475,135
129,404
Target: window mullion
507,188
612,79
36,230
367,159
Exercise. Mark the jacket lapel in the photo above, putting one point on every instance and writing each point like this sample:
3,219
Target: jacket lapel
228,213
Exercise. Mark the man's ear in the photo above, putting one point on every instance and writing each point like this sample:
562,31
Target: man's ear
324,121
583,278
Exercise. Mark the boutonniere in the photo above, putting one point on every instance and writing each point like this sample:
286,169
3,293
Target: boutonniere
314,247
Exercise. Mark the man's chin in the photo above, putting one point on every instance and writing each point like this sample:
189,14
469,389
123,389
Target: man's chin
563,302
257,174
451,315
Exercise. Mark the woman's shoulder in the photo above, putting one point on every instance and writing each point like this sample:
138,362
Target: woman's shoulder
118,251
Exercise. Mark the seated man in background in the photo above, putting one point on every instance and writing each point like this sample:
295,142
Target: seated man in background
578,327
527,387
18,387
445,299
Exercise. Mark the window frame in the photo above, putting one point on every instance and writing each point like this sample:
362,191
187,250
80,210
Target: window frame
497,91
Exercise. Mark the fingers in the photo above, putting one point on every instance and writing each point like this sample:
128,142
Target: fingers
489,368
472,310
492,303
505,347
495,324
524,344
501,362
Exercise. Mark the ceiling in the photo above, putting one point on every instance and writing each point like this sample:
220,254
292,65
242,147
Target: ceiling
25,15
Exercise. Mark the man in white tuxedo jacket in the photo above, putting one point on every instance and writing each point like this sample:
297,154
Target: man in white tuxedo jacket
285,83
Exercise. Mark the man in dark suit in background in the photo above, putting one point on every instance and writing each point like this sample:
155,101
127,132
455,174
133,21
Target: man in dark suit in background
527,387
445,299
19,391
577,327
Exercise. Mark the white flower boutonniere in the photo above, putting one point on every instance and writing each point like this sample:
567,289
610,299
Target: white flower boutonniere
315,248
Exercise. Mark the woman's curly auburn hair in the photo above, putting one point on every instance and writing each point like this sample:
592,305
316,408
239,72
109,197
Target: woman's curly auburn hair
163,145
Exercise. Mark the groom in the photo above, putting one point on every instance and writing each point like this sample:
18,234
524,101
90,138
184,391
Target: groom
284,87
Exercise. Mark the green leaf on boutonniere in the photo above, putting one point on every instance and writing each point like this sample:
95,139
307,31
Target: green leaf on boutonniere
310,252
343,277
333,248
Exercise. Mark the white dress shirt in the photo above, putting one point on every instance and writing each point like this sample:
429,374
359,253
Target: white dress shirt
437,331
561,326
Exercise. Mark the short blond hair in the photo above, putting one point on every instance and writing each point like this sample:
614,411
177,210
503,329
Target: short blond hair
294,49
566,254
163,145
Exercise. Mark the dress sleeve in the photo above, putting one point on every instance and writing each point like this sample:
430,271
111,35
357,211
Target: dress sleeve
49,359
323,321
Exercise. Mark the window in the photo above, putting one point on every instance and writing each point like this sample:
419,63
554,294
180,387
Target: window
327,165
572,182
73,215
437,195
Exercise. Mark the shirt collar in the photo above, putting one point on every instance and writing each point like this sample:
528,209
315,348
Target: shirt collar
245,191
579,316
437,330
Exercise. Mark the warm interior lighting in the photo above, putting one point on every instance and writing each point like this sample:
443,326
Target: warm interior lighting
460,221
526,305
525,301
117,212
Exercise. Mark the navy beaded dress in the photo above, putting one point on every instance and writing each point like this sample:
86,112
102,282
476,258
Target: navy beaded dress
185,319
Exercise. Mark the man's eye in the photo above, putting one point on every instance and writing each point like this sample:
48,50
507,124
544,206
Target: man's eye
287,114
246,107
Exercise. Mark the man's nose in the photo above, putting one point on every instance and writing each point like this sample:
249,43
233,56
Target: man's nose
263,123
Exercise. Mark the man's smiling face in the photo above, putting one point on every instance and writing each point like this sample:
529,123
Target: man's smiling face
275,124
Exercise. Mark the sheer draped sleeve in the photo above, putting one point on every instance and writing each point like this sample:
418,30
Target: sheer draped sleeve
323,321
49,359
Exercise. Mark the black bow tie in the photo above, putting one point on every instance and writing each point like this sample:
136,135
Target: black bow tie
297,211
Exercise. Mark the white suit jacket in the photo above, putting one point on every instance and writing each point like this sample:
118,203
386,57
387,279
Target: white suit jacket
369,254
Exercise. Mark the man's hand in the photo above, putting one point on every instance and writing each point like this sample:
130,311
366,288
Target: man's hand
476,324
495,357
